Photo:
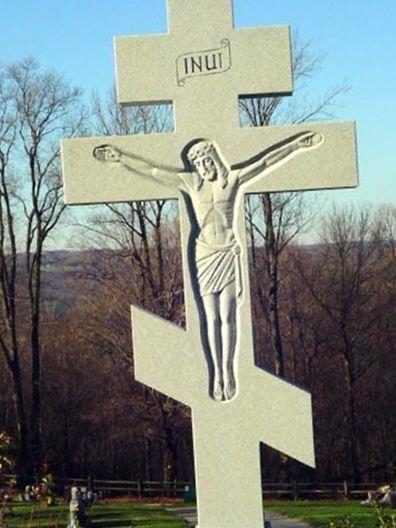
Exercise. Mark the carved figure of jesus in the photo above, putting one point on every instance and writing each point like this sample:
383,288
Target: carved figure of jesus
213,189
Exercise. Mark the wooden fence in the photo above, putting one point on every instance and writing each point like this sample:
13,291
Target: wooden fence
325,490
177,489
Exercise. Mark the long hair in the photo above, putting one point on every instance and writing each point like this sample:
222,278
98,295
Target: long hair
204,147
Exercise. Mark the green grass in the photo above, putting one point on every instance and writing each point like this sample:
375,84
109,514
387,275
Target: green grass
321,512
28,515
121,515
101,516
318,513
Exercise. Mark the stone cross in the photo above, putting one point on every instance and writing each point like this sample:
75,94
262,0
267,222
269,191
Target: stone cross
203,66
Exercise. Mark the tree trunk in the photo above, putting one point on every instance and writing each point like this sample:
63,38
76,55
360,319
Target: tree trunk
36,418
148,460
20,416
170,455
36,393
351,423
273,285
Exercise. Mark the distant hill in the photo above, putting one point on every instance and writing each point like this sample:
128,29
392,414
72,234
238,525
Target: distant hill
63,271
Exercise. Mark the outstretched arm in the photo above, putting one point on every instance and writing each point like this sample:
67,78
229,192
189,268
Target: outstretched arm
280,153
169,176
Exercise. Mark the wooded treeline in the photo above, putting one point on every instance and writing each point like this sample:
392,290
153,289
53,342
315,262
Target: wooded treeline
323,315
337,306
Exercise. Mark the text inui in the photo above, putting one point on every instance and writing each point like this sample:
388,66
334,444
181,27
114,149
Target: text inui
204,62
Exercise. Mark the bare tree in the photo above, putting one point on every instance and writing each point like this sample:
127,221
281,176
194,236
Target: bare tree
141,260
8,260
38,108
274,220
135,230
344,281
110,118
387,225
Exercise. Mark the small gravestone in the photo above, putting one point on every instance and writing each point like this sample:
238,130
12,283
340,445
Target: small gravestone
83,496
90,498
77,517
203,65
28,494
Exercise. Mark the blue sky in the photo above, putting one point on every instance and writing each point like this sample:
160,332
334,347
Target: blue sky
357,38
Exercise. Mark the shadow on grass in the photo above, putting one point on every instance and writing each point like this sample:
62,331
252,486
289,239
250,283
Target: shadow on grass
113,524
154,523
131,522
40,513
103,513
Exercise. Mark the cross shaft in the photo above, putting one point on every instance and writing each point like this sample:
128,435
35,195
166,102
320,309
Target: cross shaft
203,65
226,436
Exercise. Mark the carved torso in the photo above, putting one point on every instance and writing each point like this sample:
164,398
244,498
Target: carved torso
214,210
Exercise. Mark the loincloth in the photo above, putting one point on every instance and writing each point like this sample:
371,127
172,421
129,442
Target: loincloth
217,267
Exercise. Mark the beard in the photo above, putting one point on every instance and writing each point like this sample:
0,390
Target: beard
211,175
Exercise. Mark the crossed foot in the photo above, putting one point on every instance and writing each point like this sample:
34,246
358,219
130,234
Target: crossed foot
224,390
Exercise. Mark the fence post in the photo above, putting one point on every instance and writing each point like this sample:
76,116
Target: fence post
140,488
295,490
346,489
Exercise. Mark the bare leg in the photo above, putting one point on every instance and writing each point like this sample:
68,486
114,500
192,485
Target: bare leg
228,307
213,323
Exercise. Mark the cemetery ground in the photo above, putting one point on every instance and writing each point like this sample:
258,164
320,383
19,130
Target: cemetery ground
119,514
113,515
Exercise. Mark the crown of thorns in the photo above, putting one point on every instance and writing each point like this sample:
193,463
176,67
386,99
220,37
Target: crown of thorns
200,149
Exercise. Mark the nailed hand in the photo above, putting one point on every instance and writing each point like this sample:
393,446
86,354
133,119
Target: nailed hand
310,140
107,153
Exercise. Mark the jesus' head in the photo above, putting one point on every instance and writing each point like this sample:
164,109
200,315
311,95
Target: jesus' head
206,162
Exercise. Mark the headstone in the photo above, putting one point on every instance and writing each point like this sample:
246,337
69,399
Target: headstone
384,495
28,493
90,498
83,495
203,65
77,517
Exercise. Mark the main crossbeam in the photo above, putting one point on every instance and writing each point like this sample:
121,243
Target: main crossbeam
332,166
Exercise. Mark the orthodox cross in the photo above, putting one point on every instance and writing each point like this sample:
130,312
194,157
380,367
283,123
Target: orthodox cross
203,65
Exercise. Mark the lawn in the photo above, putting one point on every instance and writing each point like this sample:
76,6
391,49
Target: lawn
101,516
321,512
318,513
